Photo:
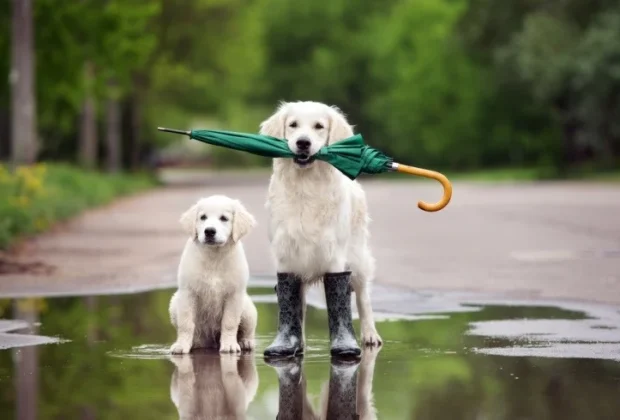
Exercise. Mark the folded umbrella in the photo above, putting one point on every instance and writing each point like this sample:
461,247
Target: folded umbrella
350,156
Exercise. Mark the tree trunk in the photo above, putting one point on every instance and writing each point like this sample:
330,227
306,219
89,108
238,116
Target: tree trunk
113,129
5,133
88,129
26,365
136,130
23,102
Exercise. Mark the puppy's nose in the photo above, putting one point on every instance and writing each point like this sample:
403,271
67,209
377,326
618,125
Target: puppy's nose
303,143
209,232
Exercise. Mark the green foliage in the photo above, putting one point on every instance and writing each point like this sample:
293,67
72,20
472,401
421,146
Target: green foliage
35,197
429,108
452,84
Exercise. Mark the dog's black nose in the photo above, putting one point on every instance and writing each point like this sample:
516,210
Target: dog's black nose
303,143
209,232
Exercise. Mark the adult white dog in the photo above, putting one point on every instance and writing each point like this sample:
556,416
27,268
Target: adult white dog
211,307
318,230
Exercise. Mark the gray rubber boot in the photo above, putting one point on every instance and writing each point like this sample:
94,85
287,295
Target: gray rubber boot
341,403
292,388
288,341
338,299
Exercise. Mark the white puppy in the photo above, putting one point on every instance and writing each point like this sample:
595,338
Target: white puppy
205,386
211,306
318,217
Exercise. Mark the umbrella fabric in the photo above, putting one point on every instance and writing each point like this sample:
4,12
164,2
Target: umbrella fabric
350,156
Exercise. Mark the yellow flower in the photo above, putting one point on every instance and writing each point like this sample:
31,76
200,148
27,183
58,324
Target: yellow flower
5,176
19,201
40,223
29,178
32,305
33,184
40,169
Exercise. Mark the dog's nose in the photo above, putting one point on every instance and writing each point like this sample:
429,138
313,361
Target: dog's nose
209,232
303,143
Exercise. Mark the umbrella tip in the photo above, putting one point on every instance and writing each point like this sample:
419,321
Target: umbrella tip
172,130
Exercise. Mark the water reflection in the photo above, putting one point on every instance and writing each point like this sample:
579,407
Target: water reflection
347,394
209,385
116,366
26,363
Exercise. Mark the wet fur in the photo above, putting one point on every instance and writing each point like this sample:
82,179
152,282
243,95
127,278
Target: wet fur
318,217
211,307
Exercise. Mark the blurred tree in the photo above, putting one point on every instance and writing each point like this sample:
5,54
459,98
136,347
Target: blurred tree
595,82
23,101
426,101
537,53
88,141
448,83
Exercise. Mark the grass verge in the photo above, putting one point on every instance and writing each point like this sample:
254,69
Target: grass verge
35,197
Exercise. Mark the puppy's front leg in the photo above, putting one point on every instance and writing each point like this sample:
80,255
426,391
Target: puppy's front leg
184,307
230,324
234,390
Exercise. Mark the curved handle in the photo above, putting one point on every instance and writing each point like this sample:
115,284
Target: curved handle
447,187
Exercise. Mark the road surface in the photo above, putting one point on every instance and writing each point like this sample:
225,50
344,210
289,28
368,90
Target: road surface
555,240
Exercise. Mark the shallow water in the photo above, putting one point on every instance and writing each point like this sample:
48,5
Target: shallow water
495,360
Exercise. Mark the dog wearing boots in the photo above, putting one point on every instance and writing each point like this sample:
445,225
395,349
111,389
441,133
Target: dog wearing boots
318,230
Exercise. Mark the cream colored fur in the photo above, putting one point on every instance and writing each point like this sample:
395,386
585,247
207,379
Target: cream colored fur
318,217
211,307
208,387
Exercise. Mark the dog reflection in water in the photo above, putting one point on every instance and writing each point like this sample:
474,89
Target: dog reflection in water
347,395
213,386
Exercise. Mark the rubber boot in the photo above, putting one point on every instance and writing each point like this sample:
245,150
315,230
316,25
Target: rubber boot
338,299
341,403
288,341
292,388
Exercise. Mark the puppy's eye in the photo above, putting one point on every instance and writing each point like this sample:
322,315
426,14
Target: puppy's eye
203,217
293,124
318,126
224,219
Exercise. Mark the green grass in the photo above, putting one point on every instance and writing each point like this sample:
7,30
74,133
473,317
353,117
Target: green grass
35,197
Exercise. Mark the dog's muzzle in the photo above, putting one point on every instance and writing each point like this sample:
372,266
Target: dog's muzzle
303,159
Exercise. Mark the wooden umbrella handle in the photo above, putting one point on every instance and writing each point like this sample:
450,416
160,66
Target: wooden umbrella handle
447,187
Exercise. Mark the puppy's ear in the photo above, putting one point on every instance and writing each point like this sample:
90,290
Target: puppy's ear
243,222
188,220
339,127
274,125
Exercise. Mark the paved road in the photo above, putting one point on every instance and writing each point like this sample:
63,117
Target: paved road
539,240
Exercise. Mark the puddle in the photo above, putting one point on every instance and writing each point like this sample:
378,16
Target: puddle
453,356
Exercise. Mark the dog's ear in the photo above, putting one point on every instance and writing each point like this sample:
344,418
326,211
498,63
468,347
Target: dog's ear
274,125
339,127
243,222
188,220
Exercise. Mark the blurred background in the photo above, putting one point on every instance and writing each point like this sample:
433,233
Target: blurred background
503,88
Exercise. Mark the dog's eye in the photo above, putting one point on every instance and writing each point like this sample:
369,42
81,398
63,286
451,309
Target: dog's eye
203,217
224,219
293,124
318,126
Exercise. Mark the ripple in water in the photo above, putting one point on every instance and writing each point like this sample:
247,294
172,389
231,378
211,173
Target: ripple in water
145,351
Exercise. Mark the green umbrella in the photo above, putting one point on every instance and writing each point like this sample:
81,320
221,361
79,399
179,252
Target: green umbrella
350,156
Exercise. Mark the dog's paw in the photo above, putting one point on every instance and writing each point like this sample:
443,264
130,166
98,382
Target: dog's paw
230,347
180,348
247,344
371,337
